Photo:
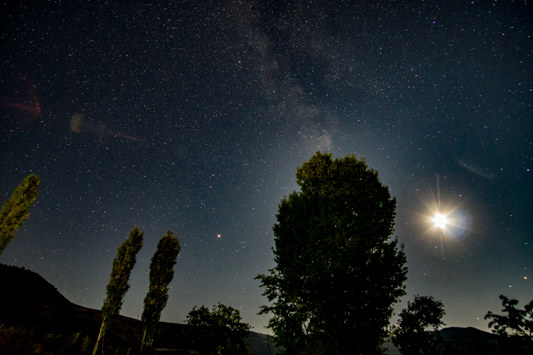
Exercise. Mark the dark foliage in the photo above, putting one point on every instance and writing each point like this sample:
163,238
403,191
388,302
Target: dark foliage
219,331
33,340
514,330
161,274
118,281
337,271
418,327
15,210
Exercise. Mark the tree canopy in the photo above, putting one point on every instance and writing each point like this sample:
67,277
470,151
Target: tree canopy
418,327
337,273
515,330
161,274
219,331
118,281
15,210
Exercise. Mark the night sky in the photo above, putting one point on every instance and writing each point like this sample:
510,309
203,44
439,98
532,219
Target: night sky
193,116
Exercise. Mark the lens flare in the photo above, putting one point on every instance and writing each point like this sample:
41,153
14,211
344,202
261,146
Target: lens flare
459,225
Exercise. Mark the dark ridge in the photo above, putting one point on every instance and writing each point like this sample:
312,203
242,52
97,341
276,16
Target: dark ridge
25,286
458,335
469,341
29,302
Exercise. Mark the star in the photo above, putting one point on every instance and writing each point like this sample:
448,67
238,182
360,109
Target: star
440,221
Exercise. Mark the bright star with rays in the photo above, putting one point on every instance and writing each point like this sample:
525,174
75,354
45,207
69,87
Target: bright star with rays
440,221
446,220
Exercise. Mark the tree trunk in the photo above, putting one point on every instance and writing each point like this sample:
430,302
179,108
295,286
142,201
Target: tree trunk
100,335
142,341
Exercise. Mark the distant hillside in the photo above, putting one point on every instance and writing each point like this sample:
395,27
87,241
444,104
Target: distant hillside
35,309
30,303
470,340
27,300
25,286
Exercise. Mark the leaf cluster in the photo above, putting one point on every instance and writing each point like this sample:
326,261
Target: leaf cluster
15,209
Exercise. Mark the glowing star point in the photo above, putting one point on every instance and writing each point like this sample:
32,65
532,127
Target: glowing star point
440,221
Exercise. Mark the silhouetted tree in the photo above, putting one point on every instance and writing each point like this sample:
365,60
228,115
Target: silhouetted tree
417,331
118,281
220,331
161,274
514,330
15,210
337,271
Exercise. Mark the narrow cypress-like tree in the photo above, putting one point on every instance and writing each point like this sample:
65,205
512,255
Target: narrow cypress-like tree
161,274
118,281
15,210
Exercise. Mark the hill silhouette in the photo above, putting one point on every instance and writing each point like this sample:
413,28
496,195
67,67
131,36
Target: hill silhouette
33,308
469,341
26,286
42,314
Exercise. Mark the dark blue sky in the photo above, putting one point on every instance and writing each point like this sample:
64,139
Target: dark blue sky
193,117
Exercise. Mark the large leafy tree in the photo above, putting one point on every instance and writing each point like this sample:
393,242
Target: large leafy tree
514,330
338,273
15,210
161,274
118,281
219,331
418,328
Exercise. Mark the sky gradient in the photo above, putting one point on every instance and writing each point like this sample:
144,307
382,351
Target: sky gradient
193,117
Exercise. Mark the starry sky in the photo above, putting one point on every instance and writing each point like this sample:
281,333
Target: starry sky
193,116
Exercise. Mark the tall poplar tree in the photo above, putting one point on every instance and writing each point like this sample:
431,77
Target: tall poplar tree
338,272
15,210
161,274
118,281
